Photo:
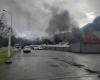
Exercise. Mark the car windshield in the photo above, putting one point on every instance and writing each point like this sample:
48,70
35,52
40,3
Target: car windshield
49,39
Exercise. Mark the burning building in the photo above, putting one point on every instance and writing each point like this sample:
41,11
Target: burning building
90,41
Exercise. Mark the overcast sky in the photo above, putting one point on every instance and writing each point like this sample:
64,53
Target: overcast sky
31,17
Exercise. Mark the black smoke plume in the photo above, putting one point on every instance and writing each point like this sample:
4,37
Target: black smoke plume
60,22
63,28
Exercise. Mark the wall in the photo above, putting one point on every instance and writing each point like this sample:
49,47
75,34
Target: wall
57,48
85,48
90,48
75,47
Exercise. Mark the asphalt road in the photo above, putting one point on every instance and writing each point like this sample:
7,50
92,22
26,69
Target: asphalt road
51,65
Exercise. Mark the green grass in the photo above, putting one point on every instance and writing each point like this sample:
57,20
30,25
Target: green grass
3,56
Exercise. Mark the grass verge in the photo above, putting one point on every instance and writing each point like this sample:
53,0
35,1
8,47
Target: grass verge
3,56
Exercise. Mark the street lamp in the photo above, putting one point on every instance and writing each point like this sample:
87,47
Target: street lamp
9,40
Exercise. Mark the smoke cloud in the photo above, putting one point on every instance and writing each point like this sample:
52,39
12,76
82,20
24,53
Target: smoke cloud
32,17
60,22
95,25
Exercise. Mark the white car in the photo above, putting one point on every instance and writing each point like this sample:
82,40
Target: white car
27,49
38,48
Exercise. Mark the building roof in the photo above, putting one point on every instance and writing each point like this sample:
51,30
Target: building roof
92,37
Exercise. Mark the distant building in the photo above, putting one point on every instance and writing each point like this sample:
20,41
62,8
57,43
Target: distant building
92,37
89,43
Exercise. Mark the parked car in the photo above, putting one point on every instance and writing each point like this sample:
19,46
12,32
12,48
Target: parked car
38,48
17,46
27,49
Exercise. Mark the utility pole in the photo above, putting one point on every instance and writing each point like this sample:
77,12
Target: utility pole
9,40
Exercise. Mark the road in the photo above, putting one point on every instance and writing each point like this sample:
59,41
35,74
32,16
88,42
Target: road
51,65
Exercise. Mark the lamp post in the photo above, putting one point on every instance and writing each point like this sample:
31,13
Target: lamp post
8,61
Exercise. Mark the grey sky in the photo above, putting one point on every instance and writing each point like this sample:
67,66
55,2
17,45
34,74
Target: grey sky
31,17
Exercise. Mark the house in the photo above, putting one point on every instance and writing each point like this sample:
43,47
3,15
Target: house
89,43
92,37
